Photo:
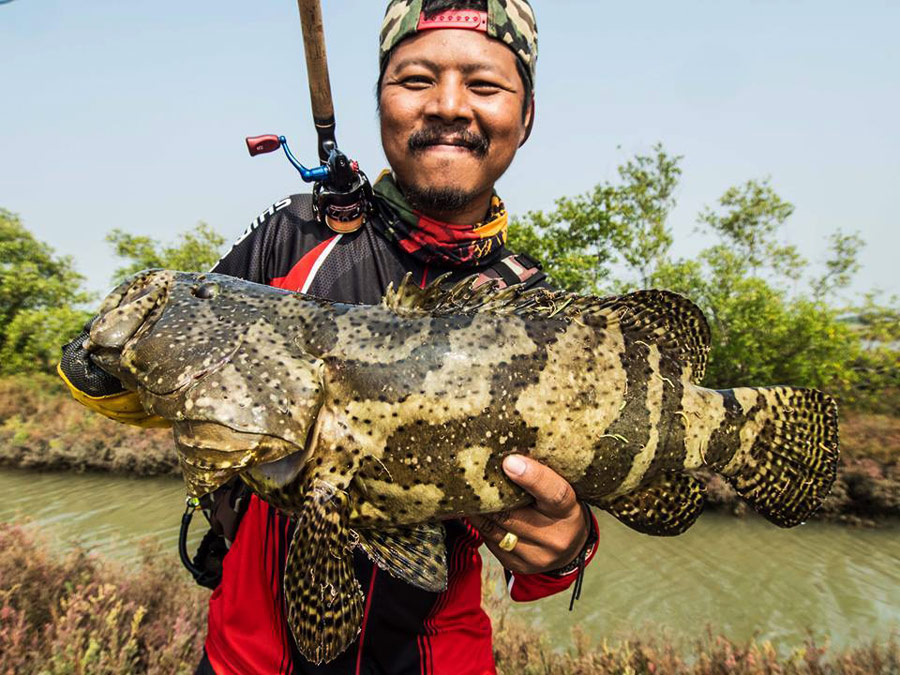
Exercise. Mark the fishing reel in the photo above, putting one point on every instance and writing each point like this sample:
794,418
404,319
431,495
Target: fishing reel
341,192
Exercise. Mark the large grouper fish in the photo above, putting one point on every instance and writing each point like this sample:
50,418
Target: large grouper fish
372,424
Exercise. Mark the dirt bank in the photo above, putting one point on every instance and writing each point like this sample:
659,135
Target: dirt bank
41,427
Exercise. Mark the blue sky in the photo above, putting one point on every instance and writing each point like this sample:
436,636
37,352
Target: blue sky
133,114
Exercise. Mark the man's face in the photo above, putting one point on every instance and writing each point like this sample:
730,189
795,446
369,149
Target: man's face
451,117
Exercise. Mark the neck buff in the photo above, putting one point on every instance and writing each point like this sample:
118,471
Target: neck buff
432,241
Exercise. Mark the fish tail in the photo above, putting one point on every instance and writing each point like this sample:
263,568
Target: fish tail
787,451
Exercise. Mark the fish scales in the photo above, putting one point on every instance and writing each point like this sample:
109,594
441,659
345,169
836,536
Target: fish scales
372,424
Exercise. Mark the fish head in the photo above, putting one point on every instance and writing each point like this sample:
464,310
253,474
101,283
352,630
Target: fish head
161,331
221,359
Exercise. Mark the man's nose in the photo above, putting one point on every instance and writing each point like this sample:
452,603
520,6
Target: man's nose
449,101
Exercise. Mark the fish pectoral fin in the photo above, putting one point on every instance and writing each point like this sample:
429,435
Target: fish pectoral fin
417,555
323,598
666,506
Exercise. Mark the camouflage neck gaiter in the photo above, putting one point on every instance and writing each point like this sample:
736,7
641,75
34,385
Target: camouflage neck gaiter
432,241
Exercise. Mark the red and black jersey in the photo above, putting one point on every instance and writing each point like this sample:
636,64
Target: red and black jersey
405,629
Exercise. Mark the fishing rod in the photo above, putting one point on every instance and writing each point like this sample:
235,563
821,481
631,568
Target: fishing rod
342,194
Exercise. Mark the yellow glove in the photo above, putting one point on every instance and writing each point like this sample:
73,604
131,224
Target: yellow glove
124,407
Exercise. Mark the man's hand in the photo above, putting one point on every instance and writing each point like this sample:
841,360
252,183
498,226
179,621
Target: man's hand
551,532
98,390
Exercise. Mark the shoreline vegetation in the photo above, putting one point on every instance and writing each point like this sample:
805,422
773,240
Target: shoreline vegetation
78,613
42,428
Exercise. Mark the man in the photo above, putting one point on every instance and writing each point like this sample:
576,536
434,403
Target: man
455,103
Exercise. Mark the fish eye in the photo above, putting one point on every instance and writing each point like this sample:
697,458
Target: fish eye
205,291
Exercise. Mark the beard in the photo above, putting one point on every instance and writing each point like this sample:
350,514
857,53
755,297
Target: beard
437,199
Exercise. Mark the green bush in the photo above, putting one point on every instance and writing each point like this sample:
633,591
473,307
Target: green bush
773,319
39,296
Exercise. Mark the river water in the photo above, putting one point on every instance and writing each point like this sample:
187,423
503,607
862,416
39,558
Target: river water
741,577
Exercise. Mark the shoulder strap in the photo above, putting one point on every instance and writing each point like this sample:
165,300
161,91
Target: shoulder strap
512,269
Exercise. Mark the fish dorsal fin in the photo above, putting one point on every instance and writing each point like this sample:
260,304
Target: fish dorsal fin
472,295
669,320
440,298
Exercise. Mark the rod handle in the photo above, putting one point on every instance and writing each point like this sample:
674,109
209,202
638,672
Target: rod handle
317,71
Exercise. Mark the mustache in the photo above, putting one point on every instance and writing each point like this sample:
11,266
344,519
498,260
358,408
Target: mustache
419,140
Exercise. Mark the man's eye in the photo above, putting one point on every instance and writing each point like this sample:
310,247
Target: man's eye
482,87
415,81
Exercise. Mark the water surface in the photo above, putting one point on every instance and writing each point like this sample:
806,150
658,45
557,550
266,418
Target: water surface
742,577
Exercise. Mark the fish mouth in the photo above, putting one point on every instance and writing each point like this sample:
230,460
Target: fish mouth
211,454
128,307
129,311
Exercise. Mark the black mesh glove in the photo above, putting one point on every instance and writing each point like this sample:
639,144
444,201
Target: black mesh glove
100,391
81,372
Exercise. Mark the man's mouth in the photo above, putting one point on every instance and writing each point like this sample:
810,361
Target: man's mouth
448,148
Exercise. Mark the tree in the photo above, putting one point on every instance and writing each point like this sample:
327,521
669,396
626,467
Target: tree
644,200
763,330
575,241
841,266
748,221
39,295
195,251
625,222
34,337
877,366
767,327
760,334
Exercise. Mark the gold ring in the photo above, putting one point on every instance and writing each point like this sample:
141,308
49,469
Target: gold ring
509,541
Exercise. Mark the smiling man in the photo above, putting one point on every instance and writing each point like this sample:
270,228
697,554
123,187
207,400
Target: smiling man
455,102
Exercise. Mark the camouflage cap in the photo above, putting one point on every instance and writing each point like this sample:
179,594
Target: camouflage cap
510,21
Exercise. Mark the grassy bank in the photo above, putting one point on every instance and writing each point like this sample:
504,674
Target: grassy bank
41,427
78,614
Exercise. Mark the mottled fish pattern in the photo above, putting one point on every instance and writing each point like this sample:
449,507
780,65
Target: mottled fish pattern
372,424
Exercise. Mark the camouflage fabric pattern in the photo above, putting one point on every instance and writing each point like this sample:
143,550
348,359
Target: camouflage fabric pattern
510,21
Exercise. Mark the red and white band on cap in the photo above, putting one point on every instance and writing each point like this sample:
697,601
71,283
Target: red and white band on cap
455,18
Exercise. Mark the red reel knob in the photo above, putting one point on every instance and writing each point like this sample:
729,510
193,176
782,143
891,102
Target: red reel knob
258,145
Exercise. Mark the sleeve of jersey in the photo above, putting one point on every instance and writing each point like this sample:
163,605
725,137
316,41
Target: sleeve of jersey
529,587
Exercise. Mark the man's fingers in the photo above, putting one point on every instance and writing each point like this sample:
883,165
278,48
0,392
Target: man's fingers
525,523
554,496
494,532
525,556
488,528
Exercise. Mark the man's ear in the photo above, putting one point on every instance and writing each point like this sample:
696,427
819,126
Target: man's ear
529,123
